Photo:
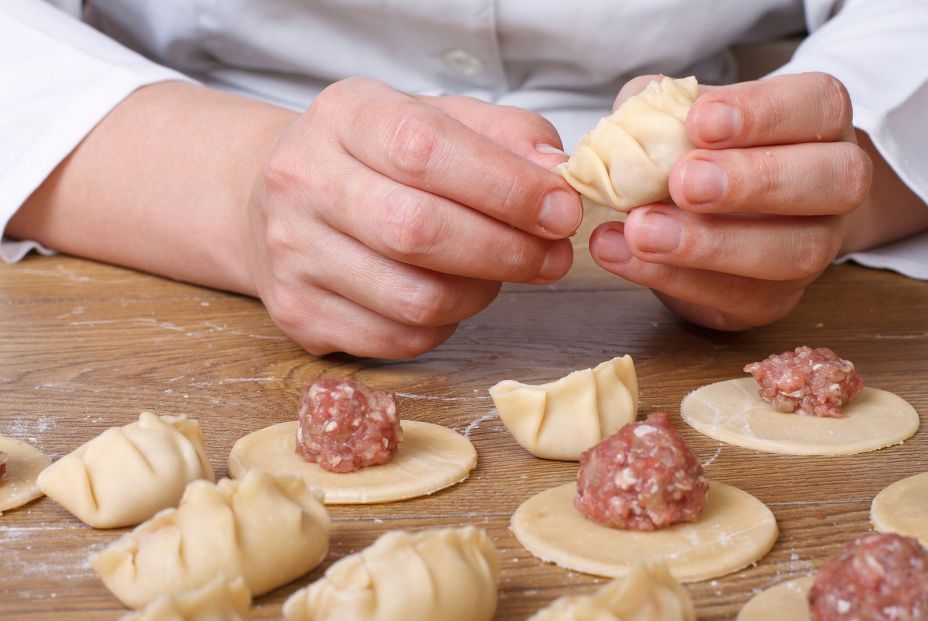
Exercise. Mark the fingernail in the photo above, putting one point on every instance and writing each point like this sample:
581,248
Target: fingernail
658,233
718,122
553,266
611,247
548,149
560,213
703,181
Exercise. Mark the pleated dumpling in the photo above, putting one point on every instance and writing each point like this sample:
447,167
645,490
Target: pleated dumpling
448,574
268,529
127,474
561,419
626,160
648,593
217,600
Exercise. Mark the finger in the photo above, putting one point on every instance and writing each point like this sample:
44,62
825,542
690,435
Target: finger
769,248
802,179
633,87
721,301
323,322
420,146
523,132
415,227
806,107
405,293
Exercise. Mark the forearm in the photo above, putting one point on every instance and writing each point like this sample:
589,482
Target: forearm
161,185
891,212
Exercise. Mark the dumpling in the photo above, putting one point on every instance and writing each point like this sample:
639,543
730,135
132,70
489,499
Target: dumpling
270,530
647,593
449,574
127,474
21,465
217,600
626,160
561,419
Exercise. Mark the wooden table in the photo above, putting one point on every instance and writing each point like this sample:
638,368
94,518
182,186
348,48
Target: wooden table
87,346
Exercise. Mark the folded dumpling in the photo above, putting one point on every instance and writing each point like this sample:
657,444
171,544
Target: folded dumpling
217,600
267,529
127,474
561,419
647,593
626,160
449,574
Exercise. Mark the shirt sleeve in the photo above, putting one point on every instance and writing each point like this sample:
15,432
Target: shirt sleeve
59,78
877,48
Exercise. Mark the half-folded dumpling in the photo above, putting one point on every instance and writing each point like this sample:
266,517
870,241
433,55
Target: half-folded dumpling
127,474
647,593
561,419
270,530
217,600
626,160
449,574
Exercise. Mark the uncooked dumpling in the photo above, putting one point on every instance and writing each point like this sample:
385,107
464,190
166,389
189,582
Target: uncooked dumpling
127,474
648,593
448,574
561,419
902,508
218,600
23,465
626,160
268,529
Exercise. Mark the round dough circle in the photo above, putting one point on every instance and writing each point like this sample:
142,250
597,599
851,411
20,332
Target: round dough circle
902,508
784,602
17,487
733,530
430,458
733,412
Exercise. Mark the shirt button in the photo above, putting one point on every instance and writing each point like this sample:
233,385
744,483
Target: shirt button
463,62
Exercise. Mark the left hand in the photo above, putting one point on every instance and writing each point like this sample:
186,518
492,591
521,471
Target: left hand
760,207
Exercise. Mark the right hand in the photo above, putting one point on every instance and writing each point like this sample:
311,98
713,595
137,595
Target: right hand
381,220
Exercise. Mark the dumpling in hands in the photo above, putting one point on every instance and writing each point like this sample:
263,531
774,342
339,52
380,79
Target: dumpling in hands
448,574
625,161
127,474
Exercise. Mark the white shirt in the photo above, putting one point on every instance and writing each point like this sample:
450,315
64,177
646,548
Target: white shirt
566,60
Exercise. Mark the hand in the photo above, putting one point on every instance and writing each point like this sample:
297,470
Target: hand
381,220
761,206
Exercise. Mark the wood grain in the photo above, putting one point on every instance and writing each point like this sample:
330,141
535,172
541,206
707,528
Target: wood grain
87,346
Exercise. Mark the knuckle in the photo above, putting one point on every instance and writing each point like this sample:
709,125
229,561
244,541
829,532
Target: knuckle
279,238
530,123
522,260
414,144
858,174
740,292
409,343
837,101
427,305
410,228
815,252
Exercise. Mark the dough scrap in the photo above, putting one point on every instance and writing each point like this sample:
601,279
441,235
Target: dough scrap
902,508
430,458
734,530
127,474
784,602
561,419
648,593
268,529
217,600
626,160
17,487
449,574
733,412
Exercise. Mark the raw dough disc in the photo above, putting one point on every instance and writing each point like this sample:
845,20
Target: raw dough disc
902,508
17,487
430,458
733,412
733,530
784,602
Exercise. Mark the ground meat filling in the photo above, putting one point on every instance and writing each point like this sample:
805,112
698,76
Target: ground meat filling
3,460
876,578
346,426
812,382
642,477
